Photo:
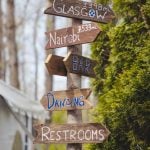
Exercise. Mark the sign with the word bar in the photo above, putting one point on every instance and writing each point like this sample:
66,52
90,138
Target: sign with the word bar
67,100
81,10
72,35
80,65
71,133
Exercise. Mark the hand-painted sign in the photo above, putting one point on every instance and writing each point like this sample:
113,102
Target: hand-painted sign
55,65
80,65
67,100
72,36
81,10
71,133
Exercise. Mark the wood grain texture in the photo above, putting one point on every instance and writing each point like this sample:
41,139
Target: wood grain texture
71,133
74,80
81,10
80,65
80,34
55,65
67,100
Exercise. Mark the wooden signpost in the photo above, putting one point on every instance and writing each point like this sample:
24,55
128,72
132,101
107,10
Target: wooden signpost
80,65
71,133
80,34
73,63
55,65
81,10
67,100
73,66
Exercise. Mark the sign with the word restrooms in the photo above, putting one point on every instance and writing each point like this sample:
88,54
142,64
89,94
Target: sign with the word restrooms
71,133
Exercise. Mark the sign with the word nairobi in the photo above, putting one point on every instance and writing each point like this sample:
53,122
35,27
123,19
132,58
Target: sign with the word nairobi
67,100
55,65
72,36
71,133
81,10
80,65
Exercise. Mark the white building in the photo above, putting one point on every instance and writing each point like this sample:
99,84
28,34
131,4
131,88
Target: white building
16,113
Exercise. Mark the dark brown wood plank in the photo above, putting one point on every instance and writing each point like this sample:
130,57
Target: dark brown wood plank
80,65
81,10
71,133
55,65
80,34
67,100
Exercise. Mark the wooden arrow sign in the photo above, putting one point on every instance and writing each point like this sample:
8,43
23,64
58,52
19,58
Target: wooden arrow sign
72,36
55,65
80,65
81,10
67,100
71,133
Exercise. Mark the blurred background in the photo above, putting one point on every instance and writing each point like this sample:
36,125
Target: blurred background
121,88
24,77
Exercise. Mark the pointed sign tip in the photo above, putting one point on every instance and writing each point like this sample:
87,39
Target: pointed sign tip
46,11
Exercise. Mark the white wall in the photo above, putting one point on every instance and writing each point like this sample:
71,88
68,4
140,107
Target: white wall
8,128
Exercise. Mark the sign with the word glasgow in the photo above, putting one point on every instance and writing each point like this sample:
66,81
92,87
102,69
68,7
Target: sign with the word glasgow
81,10
71,133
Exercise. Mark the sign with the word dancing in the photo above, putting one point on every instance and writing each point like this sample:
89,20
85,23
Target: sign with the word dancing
81,10
72,36
67,100
71,133
80,65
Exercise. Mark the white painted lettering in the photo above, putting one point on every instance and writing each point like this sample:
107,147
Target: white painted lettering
70,39
100,16
51,135
101,133
71,10
72,134
94,134
55,39
88,135
100,7
58,40
65,132
58,138
45,133
77,10
58,10
64,6
52,39
91,10
84,12
81,136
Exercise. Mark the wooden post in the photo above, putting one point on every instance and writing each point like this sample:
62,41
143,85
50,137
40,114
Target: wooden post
73,81
74,63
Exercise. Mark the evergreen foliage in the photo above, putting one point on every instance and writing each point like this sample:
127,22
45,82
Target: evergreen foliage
123,77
